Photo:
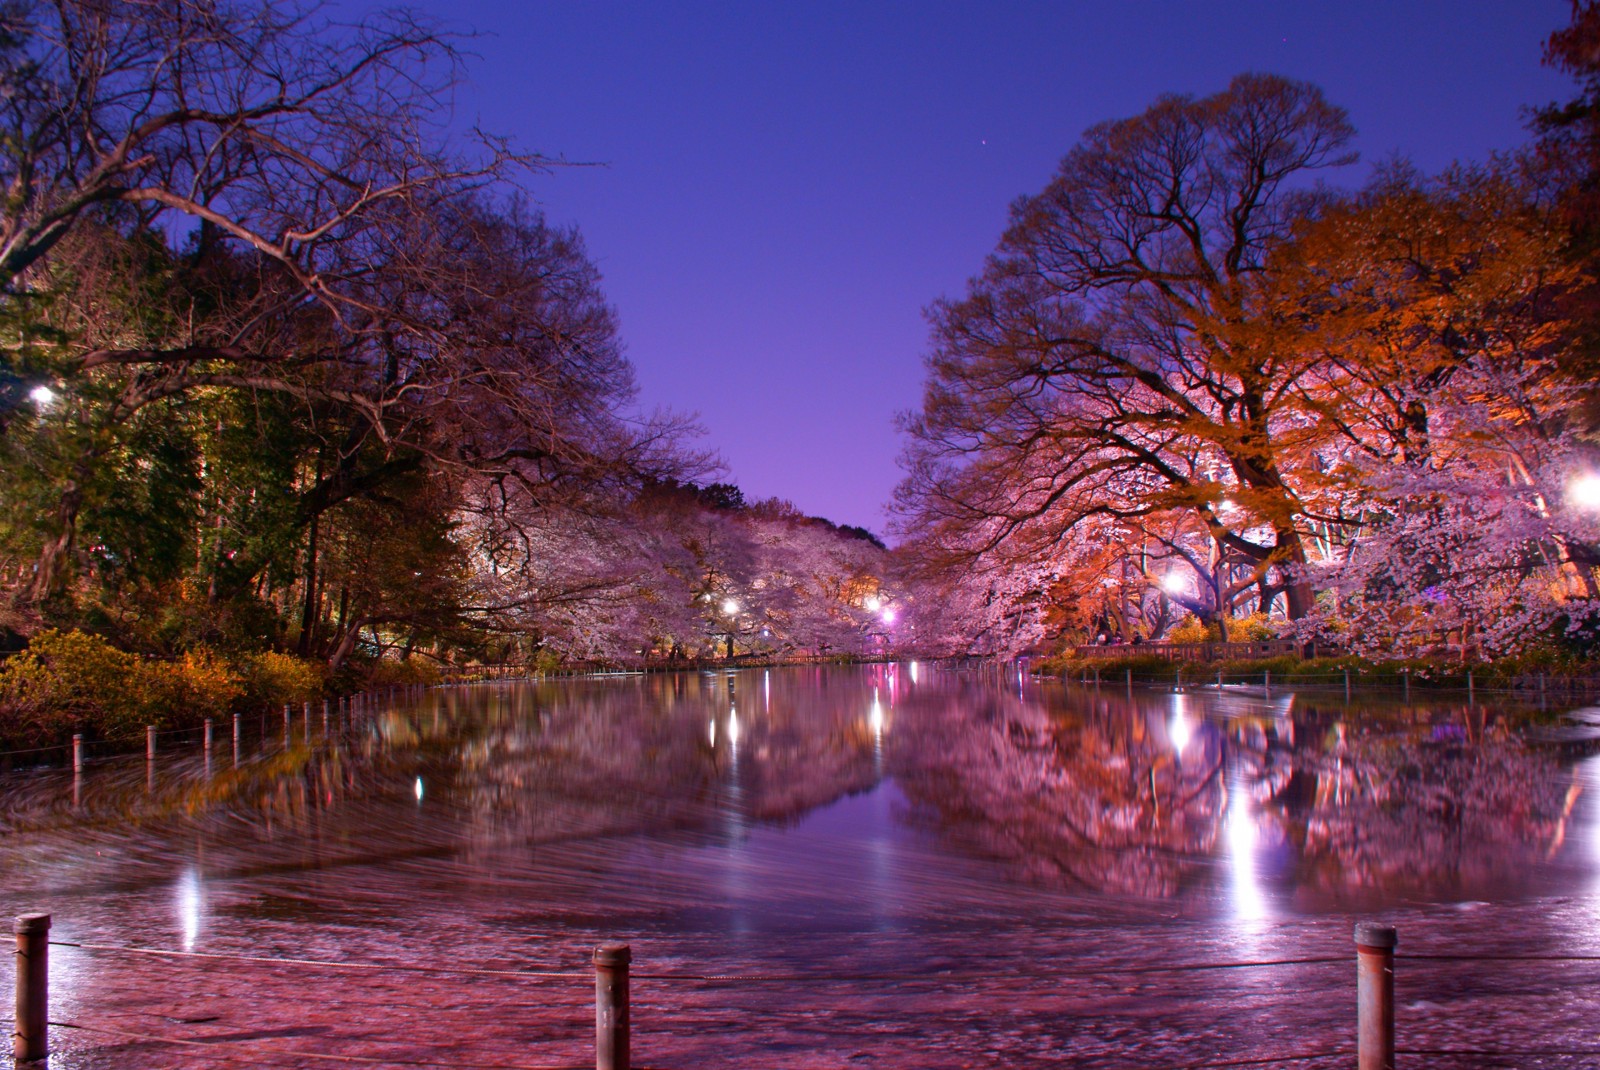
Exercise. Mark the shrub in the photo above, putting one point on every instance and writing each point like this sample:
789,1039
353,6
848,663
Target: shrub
1190,630
271,679
407,673
187,691
69,681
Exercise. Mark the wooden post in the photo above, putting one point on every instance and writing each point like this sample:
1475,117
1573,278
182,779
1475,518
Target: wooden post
1130,683
1469,685
1347,685
611,1040
1219,679
208,737
77,752
1266,683
1405,675
1375,996
149,742
31,1040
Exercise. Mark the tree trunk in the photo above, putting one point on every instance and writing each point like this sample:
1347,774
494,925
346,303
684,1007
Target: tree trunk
50,570
308,611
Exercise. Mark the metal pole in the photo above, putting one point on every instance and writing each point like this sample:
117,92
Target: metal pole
611,1006
1375,996
32,1039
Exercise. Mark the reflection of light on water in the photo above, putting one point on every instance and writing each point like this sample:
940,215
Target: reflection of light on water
713,735
876,717
1179,729
189,902
419,789
913,672
733,727
1248,902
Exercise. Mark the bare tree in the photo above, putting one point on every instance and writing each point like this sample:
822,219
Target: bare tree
1122,353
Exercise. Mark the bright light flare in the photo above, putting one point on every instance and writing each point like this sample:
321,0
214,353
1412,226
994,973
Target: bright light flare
42,395
419,789
730,607
1179,732
1584,492
874,604
888,615
1174,583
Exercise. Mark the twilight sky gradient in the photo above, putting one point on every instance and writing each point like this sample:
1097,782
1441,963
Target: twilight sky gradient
787,185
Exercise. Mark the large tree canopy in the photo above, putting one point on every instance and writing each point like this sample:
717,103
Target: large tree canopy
1191,375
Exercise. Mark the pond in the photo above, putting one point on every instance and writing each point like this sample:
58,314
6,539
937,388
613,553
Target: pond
891,865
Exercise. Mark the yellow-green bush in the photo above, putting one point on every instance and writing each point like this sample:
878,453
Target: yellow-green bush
187,691
1190,630
68,682
407,673
272,679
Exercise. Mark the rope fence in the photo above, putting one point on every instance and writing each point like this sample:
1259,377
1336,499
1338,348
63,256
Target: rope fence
335,714
1375,1000
1197,676
1192,677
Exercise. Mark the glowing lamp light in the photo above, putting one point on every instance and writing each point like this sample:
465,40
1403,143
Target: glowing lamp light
42,395
888,616
874,604
730,607
1584,492
1174,583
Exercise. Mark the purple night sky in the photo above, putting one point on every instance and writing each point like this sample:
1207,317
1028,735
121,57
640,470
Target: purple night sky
787,185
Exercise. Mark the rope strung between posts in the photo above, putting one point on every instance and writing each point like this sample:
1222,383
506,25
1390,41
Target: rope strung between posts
1092,971
368,1060
727,978
330,964
1521,1052
1497,958
1269,1060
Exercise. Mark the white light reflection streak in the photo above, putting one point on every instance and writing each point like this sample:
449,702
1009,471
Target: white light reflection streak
419,789
1178,729
733,728
1249,905
190,901
913,672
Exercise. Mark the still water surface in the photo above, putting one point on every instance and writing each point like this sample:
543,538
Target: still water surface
921,867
